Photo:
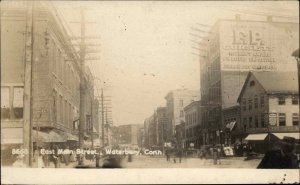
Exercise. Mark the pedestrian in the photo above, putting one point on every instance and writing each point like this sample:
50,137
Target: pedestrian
19,162
168,155
179,155
56,157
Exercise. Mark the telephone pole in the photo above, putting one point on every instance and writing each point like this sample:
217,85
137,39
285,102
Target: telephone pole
27,128
102,117
82,83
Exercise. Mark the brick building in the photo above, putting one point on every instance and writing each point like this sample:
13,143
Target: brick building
55,83
193,125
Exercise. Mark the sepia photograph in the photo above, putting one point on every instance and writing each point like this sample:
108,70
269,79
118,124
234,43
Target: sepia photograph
150,87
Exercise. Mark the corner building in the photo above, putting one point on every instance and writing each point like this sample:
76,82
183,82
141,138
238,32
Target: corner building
234,48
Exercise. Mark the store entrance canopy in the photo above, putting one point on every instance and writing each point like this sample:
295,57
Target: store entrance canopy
256,137
281,135
47,137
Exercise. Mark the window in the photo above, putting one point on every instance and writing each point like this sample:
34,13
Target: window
18,102
281,100
256,121
255,102
262,101
181,103
252,83
250,104
5,107
282,121
12,102
245,123
295,119
250,122
295,100
181,113
244,104
54,99
262,120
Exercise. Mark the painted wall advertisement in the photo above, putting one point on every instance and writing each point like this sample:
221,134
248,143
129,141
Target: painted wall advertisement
258,45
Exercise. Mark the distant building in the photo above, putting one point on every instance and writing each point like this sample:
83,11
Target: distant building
127,135
193,125
176,100
270,104
231,117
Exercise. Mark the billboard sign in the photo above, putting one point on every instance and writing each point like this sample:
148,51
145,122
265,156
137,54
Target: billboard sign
266,46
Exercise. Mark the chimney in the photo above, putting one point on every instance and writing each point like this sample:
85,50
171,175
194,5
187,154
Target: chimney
237,17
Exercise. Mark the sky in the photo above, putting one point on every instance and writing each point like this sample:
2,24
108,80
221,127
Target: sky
147,47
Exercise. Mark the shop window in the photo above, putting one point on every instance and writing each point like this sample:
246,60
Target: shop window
282,119
5,107
295,119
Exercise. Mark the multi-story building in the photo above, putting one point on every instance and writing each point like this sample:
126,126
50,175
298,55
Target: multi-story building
128,135
54,100
233,48
161,122
269,104
193,136
176,100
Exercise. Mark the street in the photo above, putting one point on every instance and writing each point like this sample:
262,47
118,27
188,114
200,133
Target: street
143,161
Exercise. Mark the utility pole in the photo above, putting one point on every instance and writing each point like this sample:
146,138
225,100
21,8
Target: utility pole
82,84
102,117
27,128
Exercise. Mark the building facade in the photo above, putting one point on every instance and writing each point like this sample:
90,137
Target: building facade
194,137
234,48
176,100
54,101
269,104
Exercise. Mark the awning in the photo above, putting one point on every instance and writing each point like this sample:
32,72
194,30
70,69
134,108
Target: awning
230,125
47,137
281,135
11,135
256,137
67,136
